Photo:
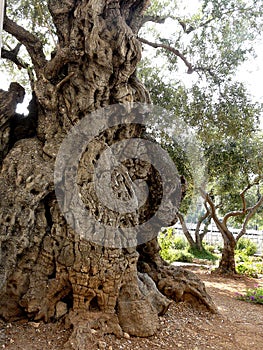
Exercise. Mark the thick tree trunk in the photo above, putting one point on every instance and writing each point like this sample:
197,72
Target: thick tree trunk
227,263
47,270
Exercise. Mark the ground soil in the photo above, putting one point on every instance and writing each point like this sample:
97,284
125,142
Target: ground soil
237,326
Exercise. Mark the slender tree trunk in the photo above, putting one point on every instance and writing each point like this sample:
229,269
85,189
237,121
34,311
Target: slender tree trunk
186,232
47,270
199,240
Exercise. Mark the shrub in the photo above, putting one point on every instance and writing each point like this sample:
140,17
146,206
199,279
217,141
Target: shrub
179,243
167,239
248,265
241,257
247,246
209,248
173,247
246,268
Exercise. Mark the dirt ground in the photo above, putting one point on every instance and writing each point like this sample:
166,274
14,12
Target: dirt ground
238,326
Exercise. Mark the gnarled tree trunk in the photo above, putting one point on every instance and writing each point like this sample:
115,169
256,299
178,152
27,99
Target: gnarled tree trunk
47,270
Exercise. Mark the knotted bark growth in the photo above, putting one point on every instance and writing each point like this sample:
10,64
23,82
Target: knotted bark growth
47,270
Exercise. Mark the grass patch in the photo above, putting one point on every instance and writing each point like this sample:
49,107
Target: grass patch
202,254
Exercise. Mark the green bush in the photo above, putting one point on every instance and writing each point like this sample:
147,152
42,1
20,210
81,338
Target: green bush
252,295
209,248
172,255
241,256
246,268
247,246
179,243
248,265
167,239
173,247
182,256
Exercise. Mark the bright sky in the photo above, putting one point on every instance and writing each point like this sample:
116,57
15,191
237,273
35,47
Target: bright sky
251,73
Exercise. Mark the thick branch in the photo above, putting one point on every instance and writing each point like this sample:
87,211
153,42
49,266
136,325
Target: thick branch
30,41
133,13
155,19
12,55
171,49
220,225
62,56
232,214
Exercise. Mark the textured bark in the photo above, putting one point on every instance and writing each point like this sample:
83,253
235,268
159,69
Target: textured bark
227,263
175,283
47,270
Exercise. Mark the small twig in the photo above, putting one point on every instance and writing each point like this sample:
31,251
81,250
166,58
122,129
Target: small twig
63,81
171,49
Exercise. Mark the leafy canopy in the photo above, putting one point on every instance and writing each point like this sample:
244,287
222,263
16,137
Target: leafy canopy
210,44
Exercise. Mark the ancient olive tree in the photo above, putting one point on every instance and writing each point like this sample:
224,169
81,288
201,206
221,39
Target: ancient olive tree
47,269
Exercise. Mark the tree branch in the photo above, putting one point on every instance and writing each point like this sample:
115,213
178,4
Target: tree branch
30,41
205,230
190,28
251,212
220,225
171,49
12,55
244,209
204,23
155,19
200,220
205,69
